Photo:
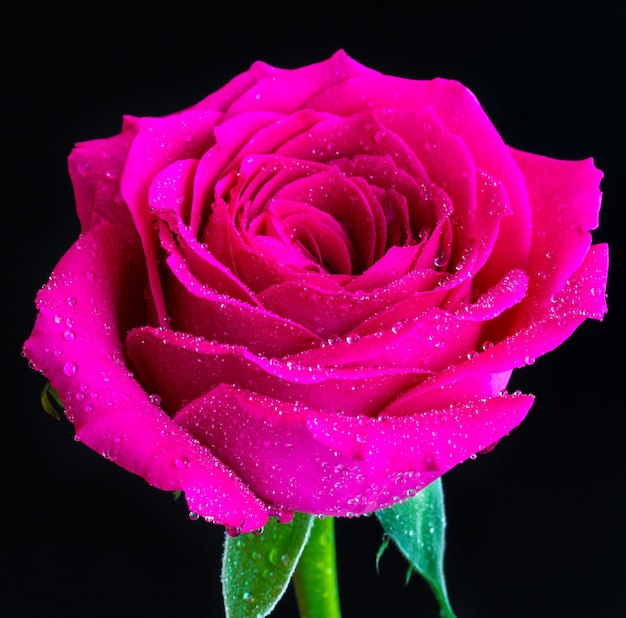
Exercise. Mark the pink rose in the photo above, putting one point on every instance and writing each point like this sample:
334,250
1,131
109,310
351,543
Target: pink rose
308,291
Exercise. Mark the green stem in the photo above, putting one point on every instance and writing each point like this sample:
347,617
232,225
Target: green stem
315,577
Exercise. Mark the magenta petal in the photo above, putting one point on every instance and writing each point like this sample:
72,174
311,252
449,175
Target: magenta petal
391,269
507,293
75,342
583,298
255,271
302,459
427,343
566,203
329,313
179,368
231,137
198,310
200,268
288,90
171,191
336,138
95,168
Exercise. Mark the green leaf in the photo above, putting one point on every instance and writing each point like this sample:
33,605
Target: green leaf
49,398
257,568
315,578
417,527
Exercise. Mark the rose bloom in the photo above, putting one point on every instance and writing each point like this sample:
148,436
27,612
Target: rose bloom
308,291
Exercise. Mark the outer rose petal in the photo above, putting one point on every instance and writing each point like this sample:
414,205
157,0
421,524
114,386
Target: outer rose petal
83,308
157,143
95,168
302,459
269,91
566,203
583,298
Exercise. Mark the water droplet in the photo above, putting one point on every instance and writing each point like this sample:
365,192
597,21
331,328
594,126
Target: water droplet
278,558
70,368
182,462
83,168
380,135
233,531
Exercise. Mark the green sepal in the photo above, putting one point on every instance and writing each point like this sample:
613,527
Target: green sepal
417,527
50,401
257,567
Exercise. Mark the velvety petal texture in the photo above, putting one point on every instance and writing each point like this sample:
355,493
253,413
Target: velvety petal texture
308,291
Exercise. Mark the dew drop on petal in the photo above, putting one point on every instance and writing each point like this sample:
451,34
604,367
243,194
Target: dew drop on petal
70,368
83,168
182,462
233,531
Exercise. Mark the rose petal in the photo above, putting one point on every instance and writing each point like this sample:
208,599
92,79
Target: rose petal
393,270
429,341
157,143
180,367
309,237
582,298
566,202
268,90
200,311
204,269
305,460
329,313
171,192
95,168
363,133
235,139
88,301
255,270
507,293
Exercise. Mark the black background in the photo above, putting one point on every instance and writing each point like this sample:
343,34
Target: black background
535,528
